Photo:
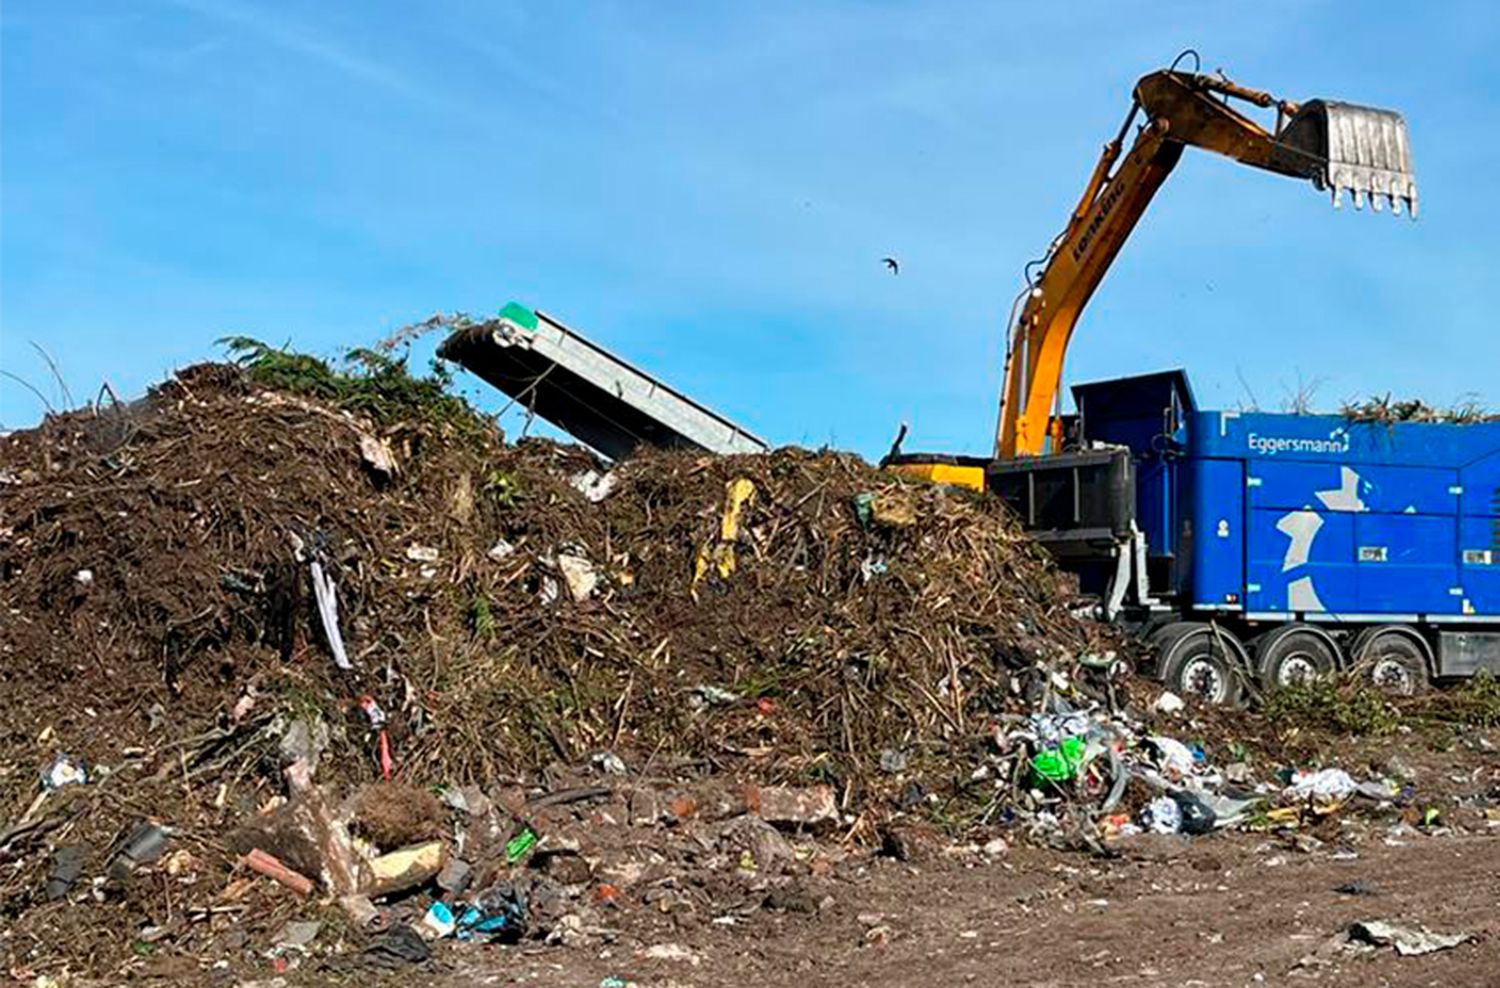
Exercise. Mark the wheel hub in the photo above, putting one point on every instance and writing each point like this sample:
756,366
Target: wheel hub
1392,674
1204,679
1297,669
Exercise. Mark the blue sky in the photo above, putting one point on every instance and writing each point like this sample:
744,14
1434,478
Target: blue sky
709,187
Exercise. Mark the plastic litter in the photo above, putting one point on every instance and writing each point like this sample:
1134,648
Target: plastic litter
326,591
1175,758
439,921
296,936
1196,817
64,770
1227,810
398,946
520,845
144,845
497,913
609,763
1326,788
593,485
578,573
373,711
703,697
1409,941
67,865
422,553
1162,816
1168,703
1059,763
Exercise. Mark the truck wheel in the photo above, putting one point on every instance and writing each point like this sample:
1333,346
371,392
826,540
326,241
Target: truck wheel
1390,658
1294,655
1197,660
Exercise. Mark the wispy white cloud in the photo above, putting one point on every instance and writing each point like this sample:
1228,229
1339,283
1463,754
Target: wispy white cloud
277,29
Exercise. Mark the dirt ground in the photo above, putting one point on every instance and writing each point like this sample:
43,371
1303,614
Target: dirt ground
1235,910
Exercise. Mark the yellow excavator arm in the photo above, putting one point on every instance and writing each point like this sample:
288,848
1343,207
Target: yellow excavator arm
1338,146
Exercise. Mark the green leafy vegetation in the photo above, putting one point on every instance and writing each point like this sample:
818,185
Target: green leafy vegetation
1350,707
372,383
1474,704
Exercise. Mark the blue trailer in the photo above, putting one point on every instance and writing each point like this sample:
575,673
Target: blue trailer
1251,546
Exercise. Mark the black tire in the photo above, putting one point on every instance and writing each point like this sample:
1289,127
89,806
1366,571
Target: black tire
1294,654
1390,658
1200,661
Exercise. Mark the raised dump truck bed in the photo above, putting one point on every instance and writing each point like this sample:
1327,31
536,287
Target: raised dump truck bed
592,394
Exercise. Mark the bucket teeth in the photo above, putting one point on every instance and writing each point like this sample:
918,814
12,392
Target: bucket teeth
1356,149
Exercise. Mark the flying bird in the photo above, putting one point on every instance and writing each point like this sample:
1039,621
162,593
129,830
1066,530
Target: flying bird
891,263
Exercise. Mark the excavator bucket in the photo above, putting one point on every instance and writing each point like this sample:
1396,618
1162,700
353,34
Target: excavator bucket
1359,149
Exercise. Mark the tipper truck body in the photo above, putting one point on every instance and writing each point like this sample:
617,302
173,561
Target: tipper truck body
1274,546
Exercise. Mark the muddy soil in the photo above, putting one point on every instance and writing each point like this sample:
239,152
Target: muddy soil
1235,911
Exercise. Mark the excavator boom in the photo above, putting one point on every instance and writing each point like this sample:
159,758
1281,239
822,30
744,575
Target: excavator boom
1339,147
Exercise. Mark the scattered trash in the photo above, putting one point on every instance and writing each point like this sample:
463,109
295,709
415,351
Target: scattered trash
360,910
518,846
892,762
609,763
84,578
500,551
1060,762
499,913
700,698
377,455
302,746
64,770
1168,703
578,573
718,555
296,935
809,806
1175,758
67,864
438,922
593,485
326,593
455,876
1378,790
1409,941
373,711
144,845
422,553
397,947
263,863
1195,817
1162,816
405,868
1325,790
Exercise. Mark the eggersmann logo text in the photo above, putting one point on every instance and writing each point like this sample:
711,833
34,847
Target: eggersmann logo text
1271,445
